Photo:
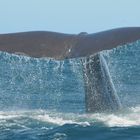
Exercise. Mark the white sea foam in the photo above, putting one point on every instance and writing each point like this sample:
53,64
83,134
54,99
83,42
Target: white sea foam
129,118
61,120
125,119
53,120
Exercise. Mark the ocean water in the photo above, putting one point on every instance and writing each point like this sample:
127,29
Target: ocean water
44,99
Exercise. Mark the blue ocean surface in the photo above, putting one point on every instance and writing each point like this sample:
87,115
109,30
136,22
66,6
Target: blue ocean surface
44,99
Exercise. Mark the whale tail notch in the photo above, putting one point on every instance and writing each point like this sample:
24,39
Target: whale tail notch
100,93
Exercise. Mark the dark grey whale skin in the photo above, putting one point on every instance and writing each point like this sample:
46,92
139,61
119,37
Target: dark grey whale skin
63,46
100,92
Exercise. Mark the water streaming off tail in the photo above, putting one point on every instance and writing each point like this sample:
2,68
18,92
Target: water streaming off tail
29,83
124,67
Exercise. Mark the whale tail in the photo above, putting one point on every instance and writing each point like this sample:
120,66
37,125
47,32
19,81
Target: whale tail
100,91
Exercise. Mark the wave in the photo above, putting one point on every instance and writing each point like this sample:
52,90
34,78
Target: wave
129,118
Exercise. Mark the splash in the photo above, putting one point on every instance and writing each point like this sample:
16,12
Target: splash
129,118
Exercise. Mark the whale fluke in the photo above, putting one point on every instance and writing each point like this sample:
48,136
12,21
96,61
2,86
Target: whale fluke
100,91
63,46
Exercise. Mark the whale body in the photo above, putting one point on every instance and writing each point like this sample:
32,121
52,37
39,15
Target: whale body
100,91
